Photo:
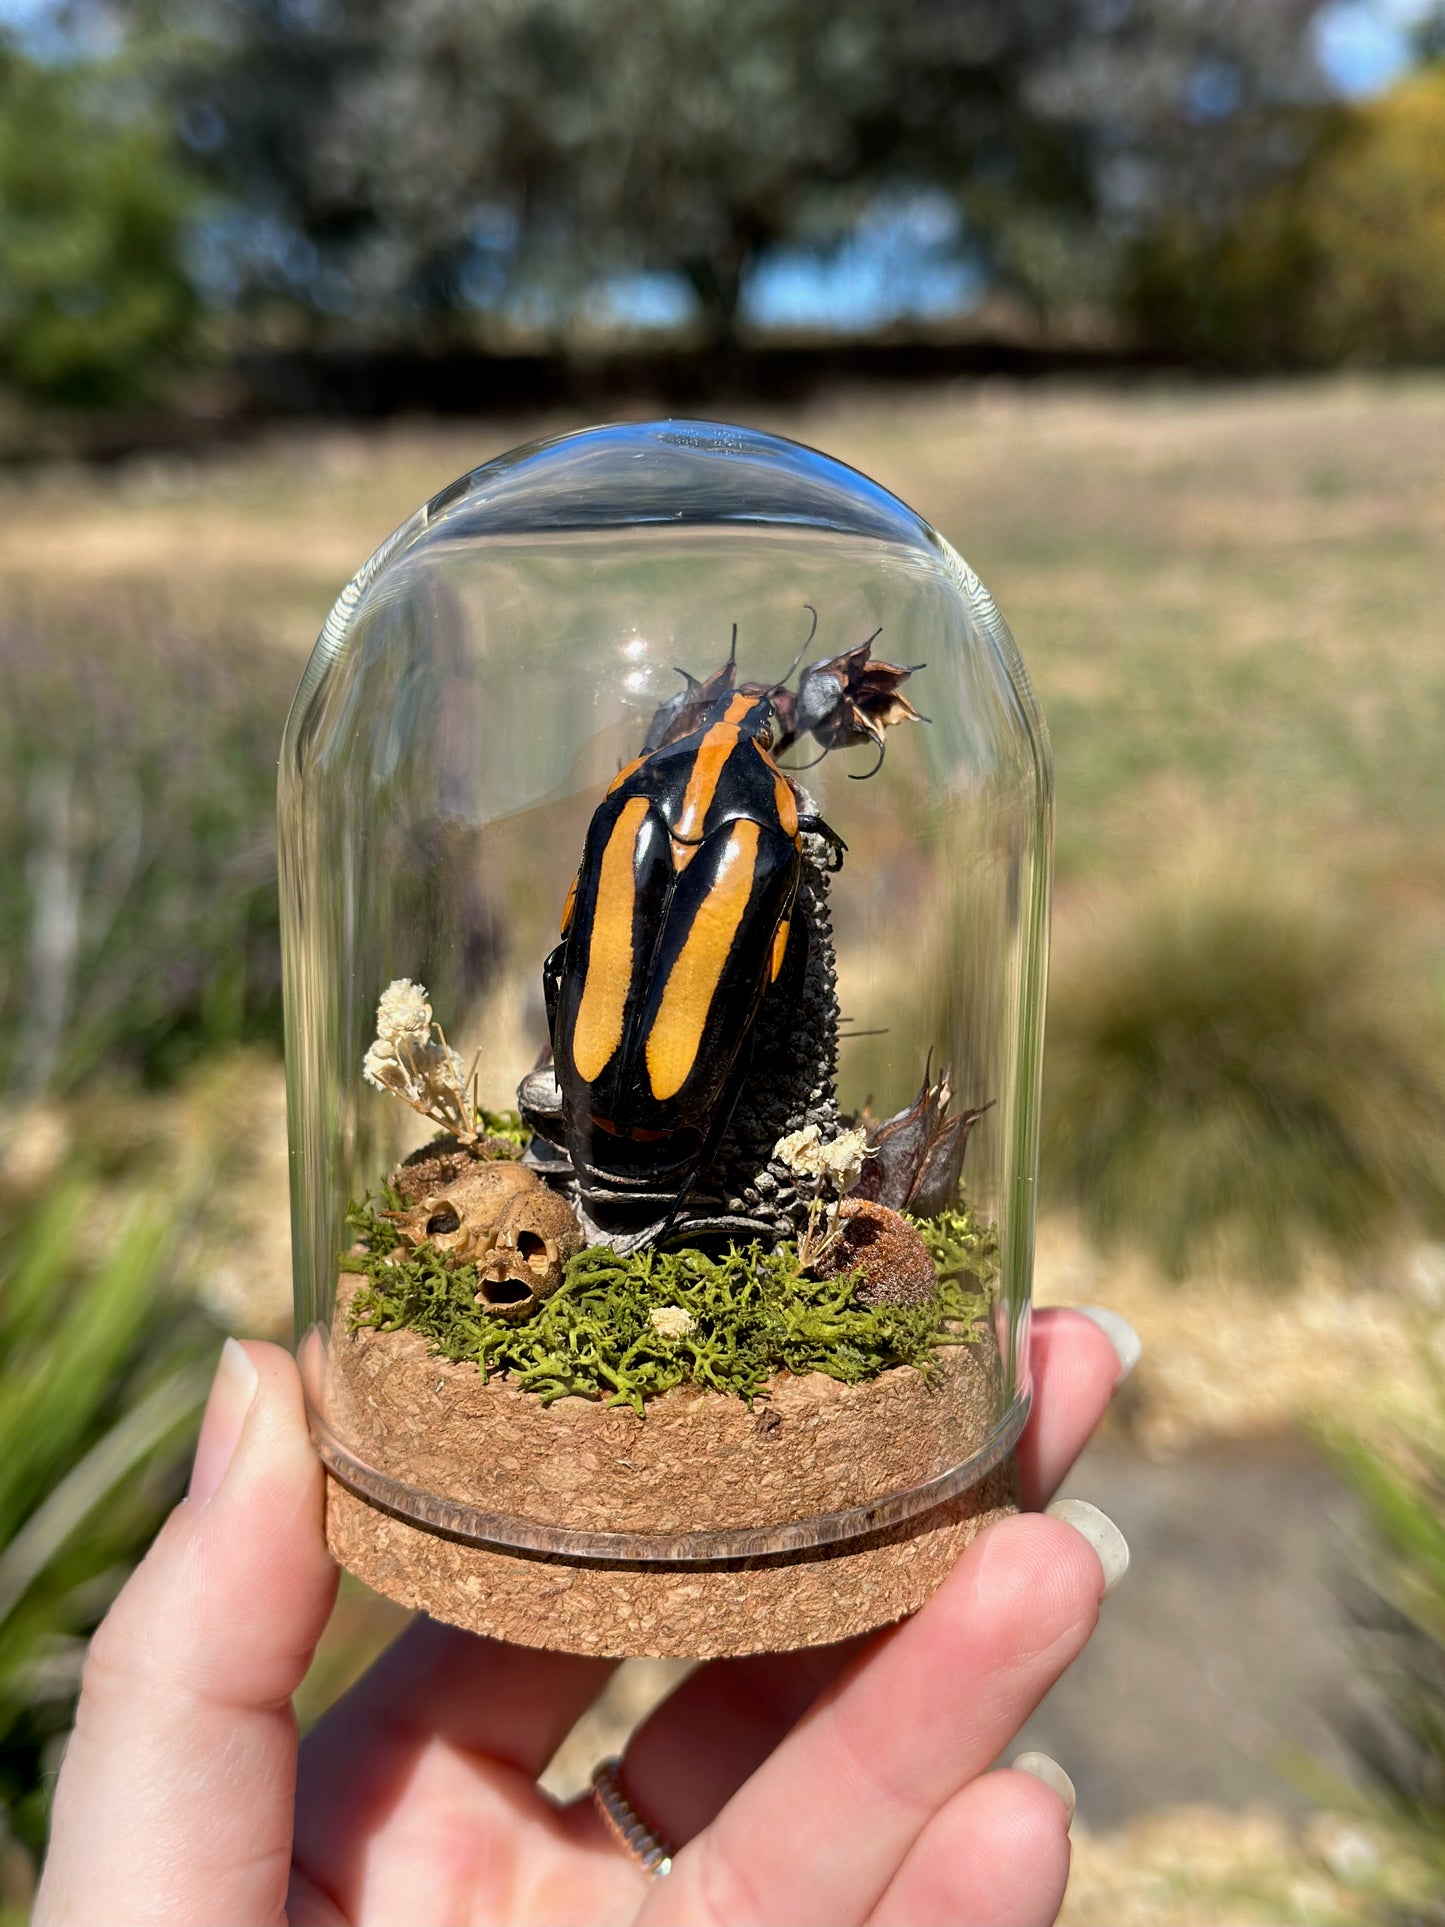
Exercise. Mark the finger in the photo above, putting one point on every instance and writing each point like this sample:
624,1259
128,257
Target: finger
438,1743
1075,1368
686,1762
511,1704
820,1829
997,1855
175,1799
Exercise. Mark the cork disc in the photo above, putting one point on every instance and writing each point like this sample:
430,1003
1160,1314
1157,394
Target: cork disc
697,1462
769,1604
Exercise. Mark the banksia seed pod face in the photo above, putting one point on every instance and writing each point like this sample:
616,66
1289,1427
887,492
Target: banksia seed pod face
896,1265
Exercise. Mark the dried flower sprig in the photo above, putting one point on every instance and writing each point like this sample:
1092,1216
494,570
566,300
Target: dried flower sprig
829,1169
411,1058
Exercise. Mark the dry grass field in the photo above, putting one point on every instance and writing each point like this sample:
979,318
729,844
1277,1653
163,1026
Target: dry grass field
1230,601
1229,598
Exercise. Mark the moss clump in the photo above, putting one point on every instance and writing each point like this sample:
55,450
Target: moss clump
753,1313
965,1251
504,1124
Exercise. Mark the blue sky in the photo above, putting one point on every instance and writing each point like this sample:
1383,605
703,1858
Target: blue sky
1364,44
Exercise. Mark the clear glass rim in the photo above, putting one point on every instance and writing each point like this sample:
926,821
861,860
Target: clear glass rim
725,1546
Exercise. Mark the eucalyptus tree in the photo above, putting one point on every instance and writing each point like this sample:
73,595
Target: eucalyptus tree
400,168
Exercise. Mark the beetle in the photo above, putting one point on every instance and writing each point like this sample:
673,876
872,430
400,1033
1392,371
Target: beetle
678,924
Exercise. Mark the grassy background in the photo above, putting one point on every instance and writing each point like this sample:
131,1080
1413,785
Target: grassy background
1229,599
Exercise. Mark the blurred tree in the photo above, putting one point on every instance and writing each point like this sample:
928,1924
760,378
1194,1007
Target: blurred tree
94,295
1343,259
394,169
1428,34
1374,209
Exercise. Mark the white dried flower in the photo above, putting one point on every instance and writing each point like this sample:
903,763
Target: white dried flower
799,1151
835,1165
672,1321
379,1066
430,1062
404,1010
842,1159
411,1059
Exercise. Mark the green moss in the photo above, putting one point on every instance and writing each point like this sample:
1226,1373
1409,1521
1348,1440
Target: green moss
754,1314
965,1251
504,1124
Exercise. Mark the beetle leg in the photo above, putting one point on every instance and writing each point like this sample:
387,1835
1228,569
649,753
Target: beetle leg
815,826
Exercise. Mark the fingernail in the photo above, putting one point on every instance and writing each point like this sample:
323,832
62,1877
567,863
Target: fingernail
1102,1534
232,1391
1040,1767
1128,1345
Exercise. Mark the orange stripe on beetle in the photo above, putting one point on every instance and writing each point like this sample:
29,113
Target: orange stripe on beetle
787,806
570,905
677,1031
707,767
780,946
603,1008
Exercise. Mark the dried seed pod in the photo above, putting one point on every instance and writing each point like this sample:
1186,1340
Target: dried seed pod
896,1264
915,1158
443,1161
460,1220
505,1287
536,1233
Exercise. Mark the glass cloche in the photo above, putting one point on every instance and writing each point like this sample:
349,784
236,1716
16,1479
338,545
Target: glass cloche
665,848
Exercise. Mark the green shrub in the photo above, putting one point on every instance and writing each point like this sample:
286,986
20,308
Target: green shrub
1399,1612
138,916
1375,204
1237,1071
101,1378
1239,297
1342,259
95,304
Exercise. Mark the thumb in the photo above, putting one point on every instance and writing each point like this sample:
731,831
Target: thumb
176,1796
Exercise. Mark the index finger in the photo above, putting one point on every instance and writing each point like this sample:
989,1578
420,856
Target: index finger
819,1831
1076,1365
720,1725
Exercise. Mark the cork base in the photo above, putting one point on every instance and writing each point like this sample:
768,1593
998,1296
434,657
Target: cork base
700,1462
633,1611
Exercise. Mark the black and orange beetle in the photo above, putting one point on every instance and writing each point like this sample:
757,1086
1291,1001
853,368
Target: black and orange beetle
680,922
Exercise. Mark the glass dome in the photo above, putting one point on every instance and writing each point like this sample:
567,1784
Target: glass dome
665,847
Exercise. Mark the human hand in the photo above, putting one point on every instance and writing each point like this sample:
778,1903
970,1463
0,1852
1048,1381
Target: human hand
843,1784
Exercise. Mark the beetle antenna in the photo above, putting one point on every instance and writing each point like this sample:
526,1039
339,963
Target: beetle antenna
787,676
733,651
797,766
855,777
